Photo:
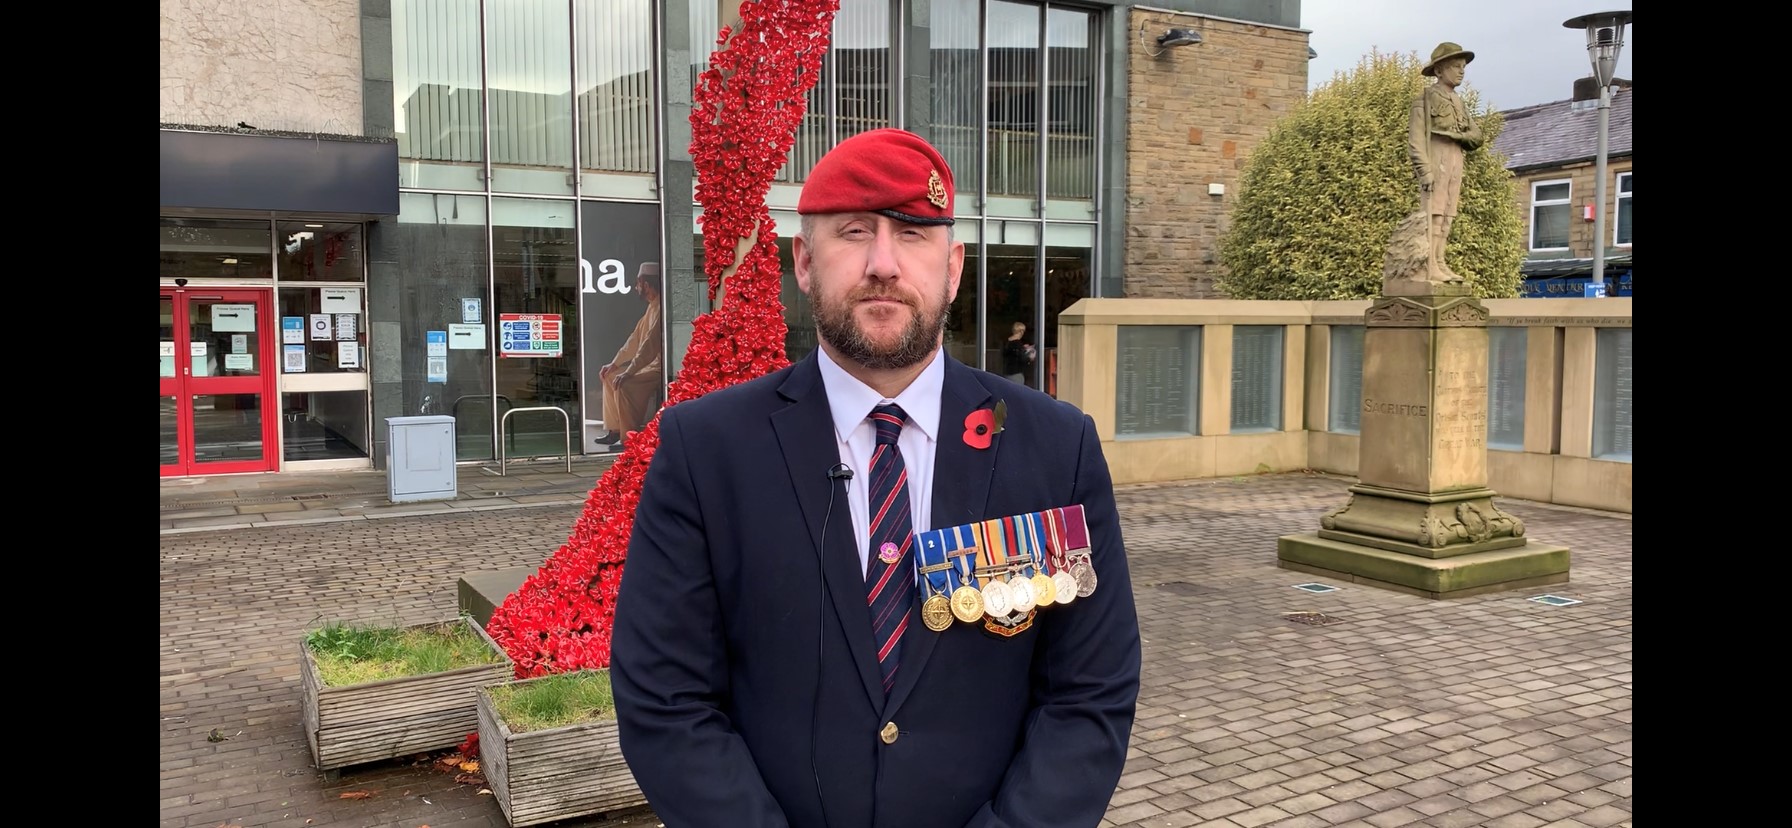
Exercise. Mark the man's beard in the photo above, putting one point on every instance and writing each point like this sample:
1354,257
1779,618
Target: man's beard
838,328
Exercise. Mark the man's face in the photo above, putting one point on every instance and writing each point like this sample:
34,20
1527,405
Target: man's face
1451,71
879,287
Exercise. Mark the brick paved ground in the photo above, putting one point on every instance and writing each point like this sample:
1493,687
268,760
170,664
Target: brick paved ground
1485,711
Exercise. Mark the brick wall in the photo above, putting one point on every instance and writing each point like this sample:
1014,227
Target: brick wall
1581,197
1194,113
280,66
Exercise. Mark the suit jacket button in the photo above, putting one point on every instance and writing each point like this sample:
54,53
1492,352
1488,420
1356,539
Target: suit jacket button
888,734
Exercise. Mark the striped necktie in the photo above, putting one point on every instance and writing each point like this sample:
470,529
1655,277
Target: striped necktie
889,568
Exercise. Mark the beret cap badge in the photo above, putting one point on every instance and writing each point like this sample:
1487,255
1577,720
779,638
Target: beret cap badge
936,189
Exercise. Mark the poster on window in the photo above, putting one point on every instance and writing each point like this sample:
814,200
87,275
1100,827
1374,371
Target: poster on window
339,300
233,318
293,359
623,330
348,354
346,327
320,327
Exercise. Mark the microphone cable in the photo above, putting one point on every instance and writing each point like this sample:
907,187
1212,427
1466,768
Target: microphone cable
841,472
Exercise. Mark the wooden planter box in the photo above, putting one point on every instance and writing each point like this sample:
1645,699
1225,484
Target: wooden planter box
557,773
392,718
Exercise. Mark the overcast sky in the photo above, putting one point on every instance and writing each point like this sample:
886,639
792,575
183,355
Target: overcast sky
1523,54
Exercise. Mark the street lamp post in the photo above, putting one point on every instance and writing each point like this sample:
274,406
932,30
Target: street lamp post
1605,39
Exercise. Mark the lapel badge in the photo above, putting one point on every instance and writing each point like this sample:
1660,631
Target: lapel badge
936,189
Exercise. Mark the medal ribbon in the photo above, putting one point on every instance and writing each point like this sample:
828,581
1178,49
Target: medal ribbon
1054,532
995,546
1035,522
933,551
1076,529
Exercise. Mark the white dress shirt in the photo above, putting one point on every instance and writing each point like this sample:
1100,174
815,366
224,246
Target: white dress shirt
851,402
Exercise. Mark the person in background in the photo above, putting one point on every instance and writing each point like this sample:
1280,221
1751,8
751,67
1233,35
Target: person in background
1018,355
633,378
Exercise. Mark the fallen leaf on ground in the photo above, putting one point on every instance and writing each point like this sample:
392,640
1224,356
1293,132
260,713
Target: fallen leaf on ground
486,792
470,767
469,779
356,794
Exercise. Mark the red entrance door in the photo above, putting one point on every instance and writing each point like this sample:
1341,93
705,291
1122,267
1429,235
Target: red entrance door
217,385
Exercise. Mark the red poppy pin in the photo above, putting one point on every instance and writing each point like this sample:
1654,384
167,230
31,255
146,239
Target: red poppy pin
983,424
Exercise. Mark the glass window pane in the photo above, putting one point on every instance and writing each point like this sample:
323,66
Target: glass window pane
1013,278
1551,192
436,86
1611,395
1257,378
226,427
1013,140
324,425
439,240
1073,64
1549,227
1345,394
529,91
954,30
170,425
321,251
864,78
319,355
536,281
1506,351
617,104
215,249
1622,234
219,346
1158,380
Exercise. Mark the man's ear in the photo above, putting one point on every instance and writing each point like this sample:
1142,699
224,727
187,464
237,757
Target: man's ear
955,267
800,254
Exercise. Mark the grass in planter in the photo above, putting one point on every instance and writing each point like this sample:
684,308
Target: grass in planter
350,654
554,700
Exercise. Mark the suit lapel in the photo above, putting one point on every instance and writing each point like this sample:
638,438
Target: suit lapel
962,476
805,433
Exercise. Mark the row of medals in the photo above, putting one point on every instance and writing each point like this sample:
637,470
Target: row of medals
1006,594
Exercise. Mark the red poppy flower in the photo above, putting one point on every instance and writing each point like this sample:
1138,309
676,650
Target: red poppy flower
979,427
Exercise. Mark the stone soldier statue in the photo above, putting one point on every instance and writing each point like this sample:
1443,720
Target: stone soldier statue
1440,133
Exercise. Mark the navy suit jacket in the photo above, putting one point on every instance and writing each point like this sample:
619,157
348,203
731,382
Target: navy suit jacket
746,681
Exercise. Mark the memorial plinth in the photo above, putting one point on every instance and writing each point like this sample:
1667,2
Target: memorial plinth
1421,518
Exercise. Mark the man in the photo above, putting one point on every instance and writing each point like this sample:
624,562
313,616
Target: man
1017,354
632,379
1439,132
763,673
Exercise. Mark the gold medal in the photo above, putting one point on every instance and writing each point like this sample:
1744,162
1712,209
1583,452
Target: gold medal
1044,591
967,602
936,612
1043,588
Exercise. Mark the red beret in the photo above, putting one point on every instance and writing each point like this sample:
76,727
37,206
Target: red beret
888,171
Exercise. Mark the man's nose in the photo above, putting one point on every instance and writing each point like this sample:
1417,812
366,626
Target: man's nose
880,263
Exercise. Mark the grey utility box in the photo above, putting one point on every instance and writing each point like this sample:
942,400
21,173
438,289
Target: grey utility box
420,459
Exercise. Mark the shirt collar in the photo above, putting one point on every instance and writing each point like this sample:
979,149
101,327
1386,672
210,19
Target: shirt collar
850,401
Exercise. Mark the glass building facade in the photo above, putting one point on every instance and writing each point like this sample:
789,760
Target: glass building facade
537,168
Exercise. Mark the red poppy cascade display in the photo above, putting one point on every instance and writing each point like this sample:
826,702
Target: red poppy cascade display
744,118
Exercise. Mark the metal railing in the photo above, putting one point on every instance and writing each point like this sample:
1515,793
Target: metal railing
502,455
